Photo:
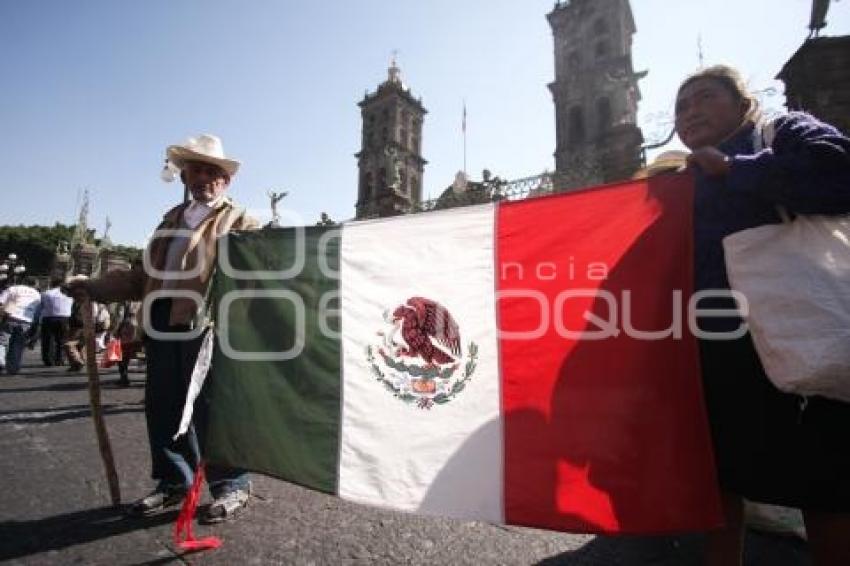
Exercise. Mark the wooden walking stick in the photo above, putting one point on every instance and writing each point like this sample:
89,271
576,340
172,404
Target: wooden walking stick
96,409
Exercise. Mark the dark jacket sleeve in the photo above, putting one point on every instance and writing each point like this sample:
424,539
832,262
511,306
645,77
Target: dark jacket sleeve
118,286
129,285
806,169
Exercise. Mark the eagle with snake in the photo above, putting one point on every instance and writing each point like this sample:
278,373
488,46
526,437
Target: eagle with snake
428,330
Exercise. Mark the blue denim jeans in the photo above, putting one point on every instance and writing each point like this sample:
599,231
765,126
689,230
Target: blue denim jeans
12,342
169,368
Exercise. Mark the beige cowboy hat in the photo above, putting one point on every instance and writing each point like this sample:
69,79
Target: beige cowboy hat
206,148
666,162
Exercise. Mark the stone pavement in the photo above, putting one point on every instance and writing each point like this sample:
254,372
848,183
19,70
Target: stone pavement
54,504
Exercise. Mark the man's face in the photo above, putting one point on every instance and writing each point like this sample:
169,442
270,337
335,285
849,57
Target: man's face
205,181
707,113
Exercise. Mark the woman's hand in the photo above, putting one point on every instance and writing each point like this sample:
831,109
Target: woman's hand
711,161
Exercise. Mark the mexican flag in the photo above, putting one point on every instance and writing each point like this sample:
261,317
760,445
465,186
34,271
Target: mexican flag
523,362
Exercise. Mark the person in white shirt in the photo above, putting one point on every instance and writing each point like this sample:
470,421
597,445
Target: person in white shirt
21,306
74,343
55,312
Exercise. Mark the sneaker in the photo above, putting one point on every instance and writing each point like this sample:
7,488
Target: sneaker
156,501
227,506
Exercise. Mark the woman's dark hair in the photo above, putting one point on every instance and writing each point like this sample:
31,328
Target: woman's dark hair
730,79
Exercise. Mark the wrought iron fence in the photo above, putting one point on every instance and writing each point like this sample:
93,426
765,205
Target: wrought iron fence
497,189
582,171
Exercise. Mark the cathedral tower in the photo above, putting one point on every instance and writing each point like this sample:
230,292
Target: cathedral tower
390,162
595,92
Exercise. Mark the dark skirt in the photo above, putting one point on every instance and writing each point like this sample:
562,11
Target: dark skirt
770,446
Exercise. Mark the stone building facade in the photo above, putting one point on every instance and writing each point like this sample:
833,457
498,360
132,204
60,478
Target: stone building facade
390,163
595,92
84,258
817,80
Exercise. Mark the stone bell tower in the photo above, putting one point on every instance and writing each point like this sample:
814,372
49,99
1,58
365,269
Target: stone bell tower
595,92
817,80
390,163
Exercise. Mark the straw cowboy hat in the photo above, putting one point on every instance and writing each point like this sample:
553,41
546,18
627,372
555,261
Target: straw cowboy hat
666,162
206,148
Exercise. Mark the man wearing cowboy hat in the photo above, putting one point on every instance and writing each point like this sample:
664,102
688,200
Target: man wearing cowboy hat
173,281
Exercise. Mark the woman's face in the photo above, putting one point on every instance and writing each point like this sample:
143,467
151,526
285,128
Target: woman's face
707,113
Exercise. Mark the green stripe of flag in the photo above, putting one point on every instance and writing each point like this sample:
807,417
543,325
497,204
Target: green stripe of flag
278,417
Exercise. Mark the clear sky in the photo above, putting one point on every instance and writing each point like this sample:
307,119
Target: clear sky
93,91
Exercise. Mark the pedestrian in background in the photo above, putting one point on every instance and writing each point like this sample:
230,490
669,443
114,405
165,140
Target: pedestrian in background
770,447
126,330
55,314
75,340
20,307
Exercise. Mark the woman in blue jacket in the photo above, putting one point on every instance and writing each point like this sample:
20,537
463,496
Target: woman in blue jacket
769,446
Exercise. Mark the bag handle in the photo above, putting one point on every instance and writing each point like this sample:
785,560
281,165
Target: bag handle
765,134
765,130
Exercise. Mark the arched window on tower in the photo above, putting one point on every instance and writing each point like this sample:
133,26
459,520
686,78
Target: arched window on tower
602,49
563,127
367,186
559,130
403,138
402,186
576,134
603,114
382,182
600,26
414,186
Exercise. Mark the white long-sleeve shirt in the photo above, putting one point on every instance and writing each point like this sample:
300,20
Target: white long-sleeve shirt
55,303
21,302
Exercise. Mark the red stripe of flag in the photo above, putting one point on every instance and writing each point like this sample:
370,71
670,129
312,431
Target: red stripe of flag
607,435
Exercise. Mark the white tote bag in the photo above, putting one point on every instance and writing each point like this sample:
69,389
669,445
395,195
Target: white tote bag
796,278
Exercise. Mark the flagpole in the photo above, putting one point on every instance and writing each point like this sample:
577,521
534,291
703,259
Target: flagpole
700,53
463,127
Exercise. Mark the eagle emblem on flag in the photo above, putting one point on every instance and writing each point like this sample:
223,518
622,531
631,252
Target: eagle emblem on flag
420,356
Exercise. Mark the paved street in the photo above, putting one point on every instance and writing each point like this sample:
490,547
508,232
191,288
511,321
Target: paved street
54,504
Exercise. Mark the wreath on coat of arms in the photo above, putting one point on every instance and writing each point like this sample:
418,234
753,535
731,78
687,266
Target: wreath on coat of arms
420,359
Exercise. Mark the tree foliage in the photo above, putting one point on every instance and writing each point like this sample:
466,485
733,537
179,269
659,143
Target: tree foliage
132,254
36,245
